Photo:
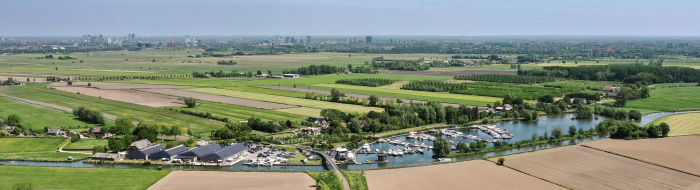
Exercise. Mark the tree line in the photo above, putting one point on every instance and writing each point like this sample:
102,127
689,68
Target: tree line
372,82
230,62
220,74
89,115
492,89
316,70
521,79
628,73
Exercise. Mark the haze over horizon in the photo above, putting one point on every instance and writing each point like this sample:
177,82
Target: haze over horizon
338,18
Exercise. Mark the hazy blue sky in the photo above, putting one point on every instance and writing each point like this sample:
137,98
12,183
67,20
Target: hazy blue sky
348,17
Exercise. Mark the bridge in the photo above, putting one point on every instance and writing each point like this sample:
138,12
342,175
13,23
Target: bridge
330,162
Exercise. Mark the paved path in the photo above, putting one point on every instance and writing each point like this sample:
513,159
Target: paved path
346,186
61,108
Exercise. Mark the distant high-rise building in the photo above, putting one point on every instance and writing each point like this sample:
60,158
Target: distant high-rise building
101,39
308,39
109,40
187,39
368,39
391,41
131,38
357,39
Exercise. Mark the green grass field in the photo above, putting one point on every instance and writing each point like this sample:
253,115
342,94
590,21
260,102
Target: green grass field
240,113
80,178
356,179
35,117
682,124
309,112
86,144
410,94
666,99
136,112
326,180
42,156
30,144
286,100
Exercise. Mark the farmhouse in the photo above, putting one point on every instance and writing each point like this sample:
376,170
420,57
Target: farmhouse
108,156
168,153
7,128
139,145
55,132
311,131
611,89
199,152
99,133
231,151
144,154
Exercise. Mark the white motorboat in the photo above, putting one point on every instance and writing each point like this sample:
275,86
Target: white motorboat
365,146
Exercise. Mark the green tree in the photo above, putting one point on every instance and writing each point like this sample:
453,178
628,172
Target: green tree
462,147
115,144
534,136
441,147
557,132
635,114
99,148
572,130
355,126
336,95
501,161
190,102
14,120
164,131
584,112
373,100
653,131
175,131
665,129
259,72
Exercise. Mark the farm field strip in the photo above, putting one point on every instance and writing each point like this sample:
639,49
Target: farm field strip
672,152
219,98
578,167
360,96
243,113
30,144
243,180
85,144
38,117
460,175
667,99
416,95
287,100
117,86
309,112
129,96
80,178
682,124
116,108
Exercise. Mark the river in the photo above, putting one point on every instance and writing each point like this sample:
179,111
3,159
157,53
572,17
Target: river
521,129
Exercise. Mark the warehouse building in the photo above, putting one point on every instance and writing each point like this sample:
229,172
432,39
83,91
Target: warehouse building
144,153
197,153
222,154
169,153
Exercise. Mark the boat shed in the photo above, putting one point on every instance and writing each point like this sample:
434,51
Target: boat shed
169,153
197,153
143,154
224,153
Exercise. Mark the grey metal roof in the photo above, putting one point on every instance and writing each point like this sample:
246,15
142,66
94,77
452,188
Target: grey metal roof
145,143
105,155
152,149
202,150
176,150
224,152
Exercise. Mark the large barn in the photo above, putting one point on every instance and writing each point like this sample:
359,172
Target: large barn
143,154
169,153
197,153
224,153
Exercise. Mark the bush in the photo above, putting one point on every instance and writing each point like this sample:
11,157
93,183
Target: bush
190,102
89,115
147,163
23,186
636,115
501,161
557,132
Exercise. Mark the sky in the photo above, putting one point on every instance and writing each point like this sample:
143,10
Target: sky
349,17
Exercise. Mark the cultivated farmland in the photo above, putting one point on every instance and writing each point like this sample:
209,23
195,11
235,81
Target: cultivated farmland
221,99
416,95
478,174
80,178
287,100
234,180
579,167
360,96
673,152
30,144
130,96
682,124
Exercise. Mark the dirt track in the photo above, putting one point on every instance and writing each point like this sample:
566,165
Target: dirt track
476,174
579,167
673,152
130,96
221,99
23,79
449,73
361,96
235,180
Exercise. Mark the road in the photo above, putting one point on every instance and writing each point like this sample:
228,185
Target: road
346,186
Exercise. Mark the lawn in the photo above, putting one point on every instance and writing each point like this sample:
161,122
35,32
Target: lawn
326,180
30,144
356,179
682,124
667,99
80,178
298,157
309,112
410,94
136,112
35,117
286,100
42,156
86,144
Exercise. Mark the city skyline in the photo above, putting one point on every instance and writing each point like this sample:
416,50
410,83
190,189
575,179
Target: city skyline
355,18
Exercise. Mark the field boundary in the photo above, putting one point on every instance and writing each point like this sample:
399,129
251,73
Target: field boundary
655,164
530,175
